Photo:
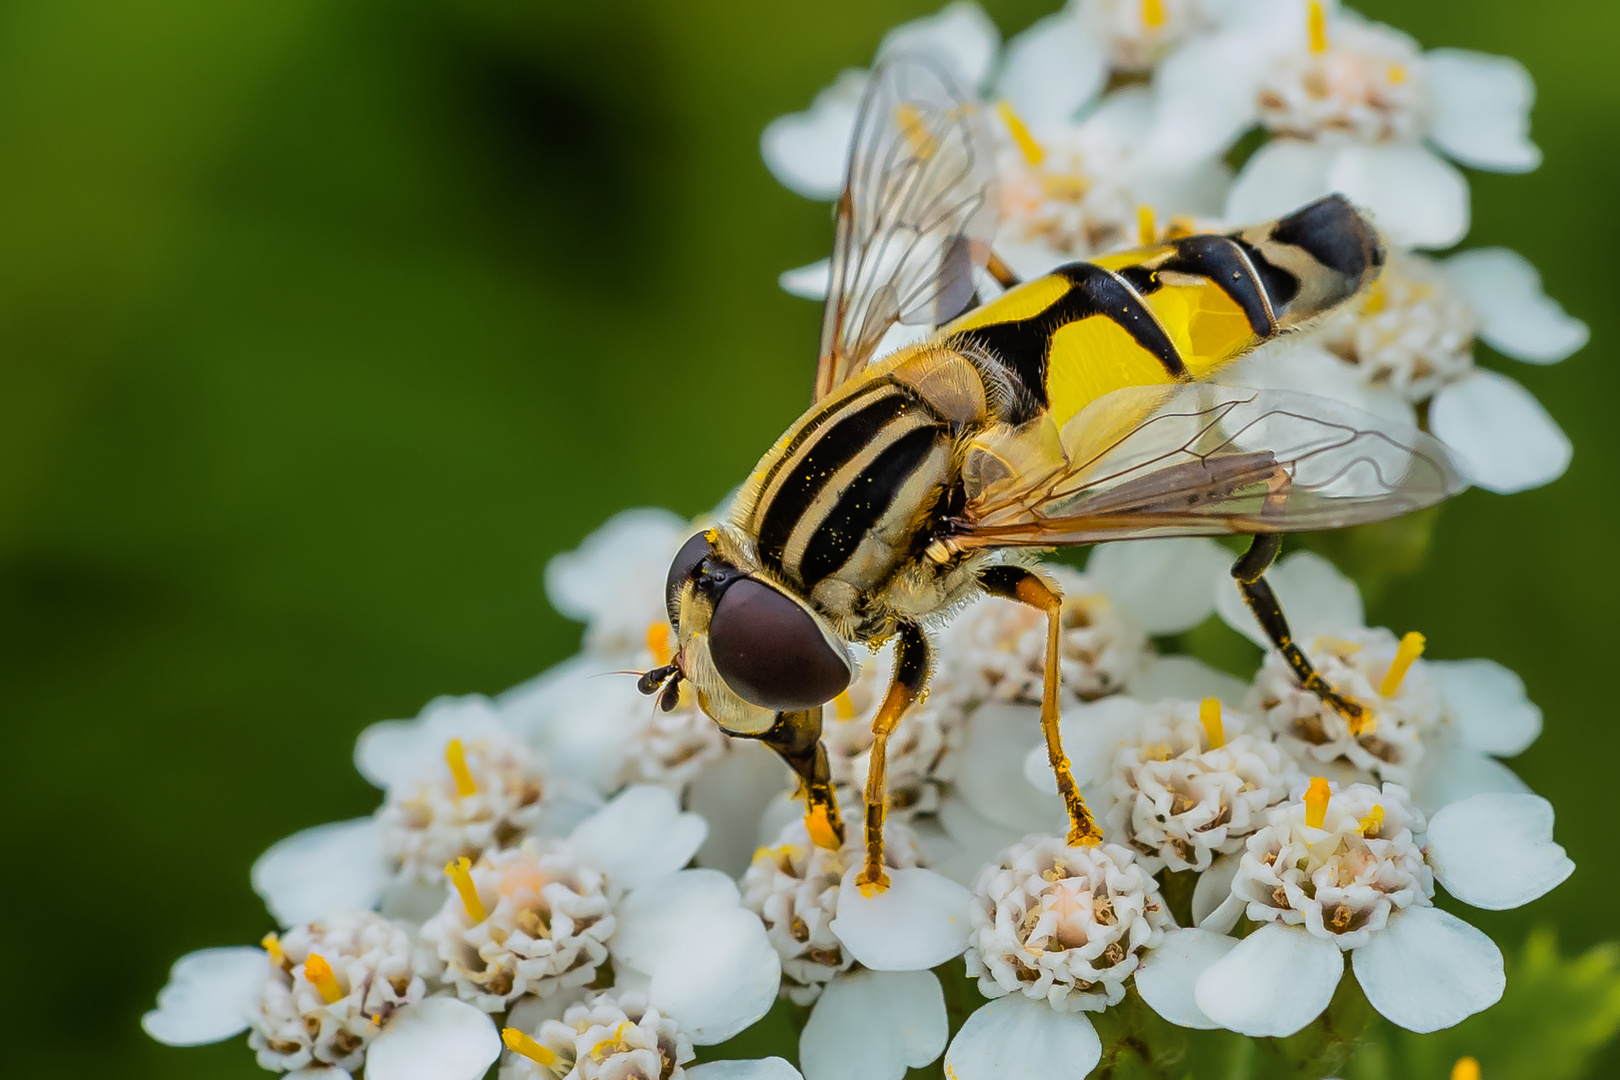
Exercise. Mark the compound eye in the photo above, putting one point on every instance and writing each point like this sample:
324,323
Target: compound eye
772,652
692,552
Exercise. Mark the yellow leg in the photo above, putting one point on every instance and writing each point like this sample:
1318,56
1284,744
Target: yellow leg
1017,583
910,676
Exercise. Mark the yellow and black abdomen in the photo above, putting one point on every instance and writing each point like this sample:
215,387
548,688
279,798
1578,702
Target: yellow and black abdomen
1174,312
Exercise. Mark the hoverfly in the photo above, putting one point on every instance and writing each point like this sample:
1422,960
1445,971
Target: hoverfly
1069,410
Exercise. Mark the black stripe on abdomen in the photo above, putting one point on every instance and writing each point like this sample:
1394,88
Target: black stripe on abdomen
1222,261
832,450
862,504
1023,345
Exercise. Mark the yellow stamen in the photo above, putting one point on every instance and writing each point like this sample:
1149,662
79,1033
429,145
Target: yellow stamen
1316,26
843,706
1147,229
658,642
524,1046
1153,13
1397,74
909,119
1209,714
1411,648
1466,1068
319,974
455,756
1373,823
459,871
1316,802
1033,152
272,945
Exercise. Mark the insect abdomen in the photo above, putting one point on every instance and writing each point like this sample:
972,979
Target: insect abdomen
1174,312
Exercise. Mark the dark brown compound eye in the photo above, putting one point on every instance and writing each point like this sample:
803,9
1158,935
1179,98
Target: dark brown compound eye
771,652
692,552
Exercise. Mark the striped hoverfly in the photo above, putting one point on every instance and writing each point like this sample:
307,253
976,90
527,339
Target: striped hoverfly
1070,409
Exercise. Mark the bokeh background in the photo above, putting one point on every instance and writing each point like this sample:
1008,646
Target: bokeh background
325,323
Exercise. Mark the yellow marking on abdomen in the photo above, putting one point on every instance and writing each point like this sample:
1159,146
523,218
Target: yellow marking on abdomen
1018,303
1092,357
1206,325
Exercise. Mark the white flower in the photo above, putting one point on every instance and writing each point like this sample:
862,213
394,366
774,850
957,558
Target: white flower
1409,339
1439,727
342,992
614,581
1064,925
1357,103
538,921
793,886
1342,871
612,1037
1192,783
874,1025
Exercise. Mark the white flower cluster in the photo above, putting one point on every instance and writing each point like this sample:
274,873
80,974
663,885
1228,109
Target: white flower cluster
609,887
1118,120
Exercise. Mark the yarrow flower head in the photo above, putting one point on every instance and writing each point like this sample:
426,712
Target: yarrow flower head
611,1037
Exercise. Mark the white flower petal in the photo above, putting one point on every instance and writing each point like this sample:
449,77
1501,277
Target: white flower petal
618,568
1427,970
1274,982
970,840
1293,363
319,1072
1502,436
1489,706
998,739
1516,318
398,751
529,1012
721,975
651,919
1479,109
639,836
1166,586
1279,178
1451,772
323,870
734,794
208,996
1185,678
438,1038
1416,197
960,36
771,1068
1496,850
810,281
808,151
873,1025
919,921
1214,887
1205,95
1168,977
1053,68
1016,1037
1317,597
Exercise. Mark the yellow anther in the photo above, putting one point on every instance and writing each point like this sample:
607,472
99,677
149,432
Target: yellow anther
1033,152
455,756
1373,823
658,642
1147,229
460,874
1316,26
1466,1068
272,945
1316,802
319,974
524,1046
1153,13
909,119
1411,648
1209,714
1397,74
843,706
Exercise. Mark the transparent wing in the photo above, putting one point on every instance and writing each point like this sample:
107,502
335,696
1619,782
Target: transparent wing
1197,460
916,216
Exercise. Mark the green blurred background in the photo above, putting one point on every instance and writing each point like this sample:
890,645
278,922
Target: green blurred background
324,325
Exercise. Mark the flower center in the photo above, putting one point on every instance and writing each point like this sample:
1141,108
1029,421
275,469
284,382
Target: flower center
459,872
455,756
1410,649
524,1046
320,976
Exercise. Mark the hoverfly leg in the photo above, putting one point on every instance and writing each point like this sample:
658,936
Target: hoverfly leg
1249,573
1017,583
796,739
1005,276
910,677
